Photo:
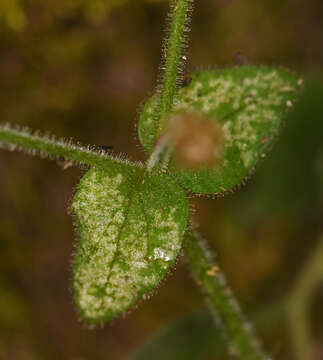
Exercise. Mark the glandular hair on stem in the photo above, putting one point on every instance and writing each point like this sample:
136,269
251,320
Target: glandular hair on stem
184,45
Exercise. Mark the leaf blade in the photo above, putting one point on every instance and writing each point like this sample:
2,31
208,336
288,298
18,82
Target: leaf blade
248,103
130,227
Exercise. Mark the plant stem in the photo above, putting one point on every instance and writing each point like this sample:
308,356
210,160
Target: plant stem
300,302
34,144
160,156
173,61
221,302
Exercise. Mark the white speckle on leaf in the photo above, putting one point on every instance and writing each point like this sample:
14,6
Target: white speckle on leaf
158,254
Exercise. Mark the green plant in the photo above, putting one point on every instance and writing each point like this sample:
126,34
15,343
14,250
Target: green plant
300,303
132,220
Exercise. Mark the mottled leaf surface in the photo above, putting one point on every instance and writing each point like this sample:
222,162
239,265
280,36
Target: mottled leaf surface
248,103
130,227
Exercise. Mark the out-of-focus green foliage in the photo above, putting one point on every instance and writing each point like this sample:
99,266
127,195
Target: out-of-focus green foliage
193,337
12,14
15,13
294,163
13,312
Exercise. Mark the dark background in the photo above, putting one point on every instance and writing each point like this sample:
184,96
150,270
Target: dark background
81,69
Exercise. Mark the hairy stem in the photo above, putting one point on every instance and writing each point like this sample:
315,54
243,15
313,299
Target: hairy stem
34,144
221,302
300,303
160,156
173,59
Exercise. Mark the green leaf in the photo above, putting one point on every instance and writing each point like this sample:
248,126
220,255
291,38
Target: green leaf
296,186
189,338
248,103
130,225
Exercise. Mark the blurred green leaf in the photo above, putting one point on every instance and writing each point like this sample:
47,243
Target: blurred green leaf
12,15
248,103
289,180
13,312
190,338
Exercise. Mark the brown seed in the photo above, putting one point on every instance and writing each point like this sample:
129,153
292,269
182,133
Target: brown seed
196,140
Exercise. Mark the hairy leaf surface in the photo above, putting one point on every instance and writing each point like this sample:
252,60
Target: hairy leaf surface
130,226
248,103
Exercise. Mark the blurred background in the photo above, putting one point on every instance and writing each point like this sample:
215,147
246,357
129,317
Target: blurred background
81,69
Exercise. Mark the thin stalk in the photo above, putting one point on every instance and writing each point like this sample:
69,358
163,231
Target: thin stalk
300,303
160,156
221,302
174,59
34,144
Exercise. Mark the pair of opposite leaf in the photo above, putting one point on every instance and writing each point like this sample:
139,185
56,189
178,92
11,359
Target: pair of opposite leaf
131,222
